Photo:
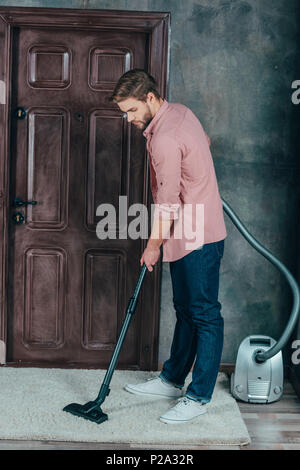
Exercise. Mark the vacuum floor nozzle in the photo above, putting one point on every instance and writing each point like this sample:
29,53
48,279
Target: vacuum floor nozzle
87,411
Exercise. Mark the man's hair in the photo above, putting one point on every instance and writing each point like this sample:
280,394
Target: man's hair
135,83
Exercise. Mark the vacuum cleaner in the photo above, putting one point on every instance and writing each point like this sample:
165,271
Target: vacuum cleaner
258,375
92,409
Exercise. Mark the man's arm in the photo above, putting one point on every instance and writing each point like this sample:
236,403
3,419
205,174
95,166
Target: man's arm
166,160
160,230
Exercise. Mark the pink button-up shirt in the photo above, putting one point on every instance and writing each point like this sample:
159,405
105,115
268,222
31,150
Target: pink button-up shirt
183,180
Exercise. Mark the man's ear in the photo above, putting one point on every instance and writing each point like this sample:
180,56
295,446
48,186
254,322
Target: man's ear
150,100
150,97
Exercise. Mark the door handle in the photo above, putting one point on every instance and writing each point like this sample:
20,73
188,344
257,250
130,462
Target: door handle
18,202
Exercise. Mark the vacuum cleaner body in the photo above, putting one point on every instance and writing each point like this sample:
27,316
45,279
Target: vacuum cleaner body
257,382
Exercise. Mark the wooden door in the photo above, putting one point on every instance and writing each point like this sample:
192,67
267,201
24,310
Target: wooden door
71,150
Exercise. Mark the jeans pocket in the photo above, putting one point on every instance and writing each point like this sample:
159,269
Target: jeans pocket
220,248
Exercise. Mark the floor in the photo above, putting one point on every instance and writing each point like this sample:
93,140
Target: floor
275,426
271,427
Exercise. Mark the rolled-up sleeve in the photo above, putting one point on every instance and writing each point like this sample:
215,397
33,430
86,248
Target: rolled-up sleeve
166,160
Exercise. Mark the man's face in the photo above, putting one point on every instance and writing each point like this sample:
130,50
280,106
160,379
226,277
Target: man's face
138,112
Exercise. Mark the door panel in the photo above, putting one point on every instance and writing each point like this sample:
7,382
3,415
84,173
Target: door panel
102,306
106,186
47,168
44,281
68,290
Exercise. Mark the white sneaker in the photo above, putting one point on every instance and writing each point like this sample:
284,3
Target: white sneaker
154,387
185,410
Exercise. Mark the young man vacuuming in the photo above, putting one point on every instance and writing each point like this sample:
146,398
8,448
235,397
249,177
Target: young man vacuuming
182,176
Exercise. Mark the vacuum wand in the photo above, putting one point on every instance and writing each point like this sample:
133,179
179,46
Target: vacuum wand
91,410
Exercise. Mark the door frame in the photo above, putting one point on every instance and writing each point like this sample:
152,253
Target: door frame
157,26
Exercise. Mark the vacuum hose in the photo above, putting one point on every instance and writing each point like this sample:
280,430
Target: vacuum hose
262,356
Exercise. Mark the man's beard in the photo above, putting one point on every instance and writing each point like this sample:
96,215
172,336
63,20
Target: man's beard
147,118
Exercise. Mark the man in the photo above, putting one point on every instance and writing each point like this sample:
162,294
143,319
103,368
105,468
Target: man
181,174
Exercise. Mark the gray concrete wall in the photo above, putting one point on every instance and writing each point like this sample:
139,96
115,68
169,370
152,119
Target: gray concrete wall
233,63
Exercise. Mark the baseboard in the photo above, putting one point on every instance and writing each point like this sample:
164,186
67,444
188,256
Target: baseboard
227,368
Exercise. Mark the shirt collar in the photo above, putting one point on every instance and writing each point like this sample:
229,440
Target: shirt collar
151,126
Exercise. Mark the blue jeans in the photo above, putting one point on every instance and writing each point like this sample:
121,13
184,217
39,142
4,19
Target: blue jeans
199,329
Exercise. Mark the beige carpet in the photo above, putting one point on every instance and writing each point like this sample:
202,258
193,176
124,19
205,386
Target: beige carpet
32,400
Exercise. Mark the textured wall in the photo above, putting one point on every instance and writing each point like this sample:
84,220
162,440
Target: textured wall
233,63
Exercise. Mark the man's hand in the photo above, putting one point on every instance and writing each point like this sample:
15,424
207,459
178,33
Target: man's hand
150,256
